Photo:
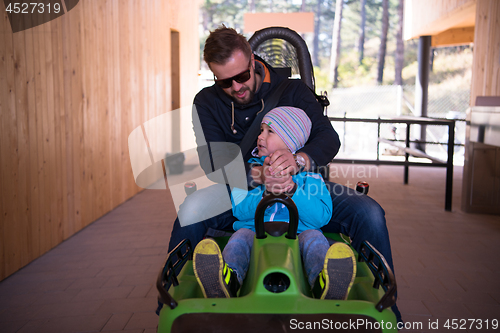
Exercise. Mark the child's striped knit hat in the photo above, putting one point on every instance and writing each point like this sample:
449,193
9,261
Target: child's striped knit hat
291,124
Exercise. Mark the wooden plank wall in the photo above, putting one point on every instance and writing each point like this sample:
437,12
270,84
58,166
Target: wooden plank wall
71,91
486,61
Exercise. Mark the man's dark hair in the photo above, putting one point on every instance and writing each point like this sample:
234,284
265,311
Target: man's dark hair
222,42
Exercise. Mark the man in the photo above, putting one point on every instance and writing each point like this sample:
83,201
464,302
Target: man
226,111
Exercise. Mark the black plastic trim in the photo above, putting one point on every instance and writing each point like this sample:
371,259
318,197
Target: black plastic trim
168,274
382,273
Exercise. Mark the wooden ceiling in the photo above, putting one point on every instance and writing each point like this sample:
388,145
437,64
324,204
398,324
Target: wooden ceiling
449,22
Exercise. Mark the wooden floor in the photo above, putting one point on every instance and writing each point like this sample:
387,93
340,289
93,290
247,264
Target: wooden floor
102,279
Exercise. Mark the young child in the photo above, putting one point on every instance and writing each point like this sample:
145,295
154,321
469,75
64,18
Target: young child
330,269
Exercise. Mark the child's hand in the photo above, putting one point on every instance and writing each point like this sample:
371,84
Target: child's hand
279,185
276,184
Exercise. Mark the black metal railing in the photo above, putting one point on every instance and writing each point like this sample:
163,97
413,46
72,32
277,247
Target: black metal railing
448,164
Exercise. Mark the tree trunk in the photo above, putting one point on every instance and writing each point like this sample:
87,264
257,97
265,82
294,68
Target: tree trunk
383,40
400,47
336,42
317,22
361,41
205,17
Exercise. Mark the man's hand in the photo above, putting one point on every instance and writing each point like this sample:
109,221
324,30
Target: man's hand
283,163
274,183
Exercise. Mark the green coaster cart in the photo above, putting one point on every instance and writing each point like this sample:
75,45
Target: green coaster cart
275,296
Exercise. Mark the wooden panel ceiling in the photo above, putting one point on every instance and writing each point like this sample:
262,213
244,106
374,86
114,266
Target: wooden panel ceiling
450,22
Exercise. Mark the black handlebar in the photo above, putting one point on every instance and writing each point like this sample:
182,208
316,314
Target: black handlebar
267,201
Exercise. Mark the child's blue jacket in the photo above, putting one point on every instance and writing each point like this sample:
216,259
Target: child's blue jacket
312,199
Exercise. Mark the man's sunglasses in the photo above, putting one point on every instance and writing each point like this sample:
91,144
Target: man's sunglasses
240,78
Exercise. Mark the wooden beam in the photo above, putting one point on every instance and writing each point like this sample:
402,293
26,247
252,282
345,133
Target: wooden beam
431,17
451,37
486,64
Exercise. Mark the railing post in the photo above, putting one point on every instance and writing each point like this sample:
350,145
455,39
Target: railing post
449,166
407,140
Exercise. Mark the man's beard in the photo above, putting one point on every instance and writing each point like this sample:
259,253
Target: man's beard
249,97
